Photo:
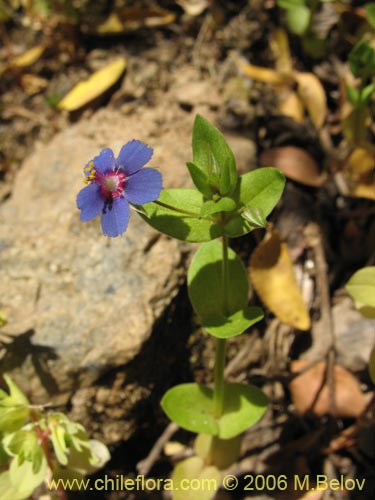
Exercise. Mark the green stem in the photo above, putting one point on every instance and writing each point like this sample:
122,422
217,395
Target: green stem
219,377
218,399
225,274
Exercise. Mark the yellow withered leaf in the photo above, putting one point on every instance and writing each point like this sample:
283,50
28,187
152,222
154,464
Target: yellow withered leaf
272,275
29,57
265,75
363,190
279,45
97,84
134,18
290,105
312,93
362,160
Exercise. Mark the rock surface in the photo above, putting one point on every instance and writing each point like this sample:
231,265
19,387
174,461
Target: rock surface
78,304
81,303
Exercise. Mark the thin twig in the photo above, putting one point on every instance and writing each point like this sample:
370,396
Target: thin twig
145,465
314,238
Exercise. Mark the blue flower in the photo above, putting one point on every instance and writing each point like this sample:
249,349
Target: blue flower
114,183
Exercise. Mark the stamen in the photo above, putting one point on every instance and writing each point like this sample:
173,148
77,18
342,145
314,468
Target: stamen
90,172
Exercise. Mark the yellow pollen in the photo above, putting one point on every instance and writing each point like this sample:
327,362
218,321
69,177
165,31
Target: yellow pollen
90,172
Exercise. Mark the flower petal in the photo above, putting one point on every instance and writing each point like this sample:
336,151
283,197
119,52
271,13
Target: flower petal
105,161
143,186
133,156
115,221
90,201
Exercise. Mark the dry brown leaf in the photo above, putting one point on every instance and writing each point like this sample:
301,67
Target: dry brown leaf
313,96
134,18
97,84
296,164
349,399
272,274
33,84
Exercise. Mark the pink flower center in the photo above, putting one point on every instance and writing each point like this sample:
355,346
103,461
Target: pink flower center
112,184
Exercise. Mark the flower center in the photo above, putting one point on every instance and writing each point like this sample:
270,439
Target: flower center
112,184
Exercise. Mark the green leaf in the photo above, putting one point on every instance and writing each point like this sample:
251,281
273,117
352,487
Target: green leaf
298,19
15,397
200,179
353,94
254,216
361,286
289,4
8,490
25,476
14,411
199,476
205,282
225,327
362,60
244,405
370,13
261,189
191,407
4,457
367,93
23,443
12,419
213,156
88,459
257,194
211,207
60,447
223,312
177,213
72,446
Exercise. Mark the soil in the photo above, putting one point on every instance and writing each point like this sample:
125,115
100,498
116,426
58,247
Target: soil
208,44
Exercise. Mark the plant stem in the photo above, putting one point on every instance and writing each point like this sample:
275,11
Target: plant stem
219,377
218,399
225,274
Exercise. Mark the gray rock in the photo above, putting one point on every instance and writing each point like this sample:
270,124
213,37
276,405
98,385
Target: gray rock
78,304
81,308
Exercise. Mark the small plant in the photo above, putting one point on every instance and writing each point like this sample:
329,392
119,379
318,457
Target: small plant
222,206
361,287
38,446
299,15
362,66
